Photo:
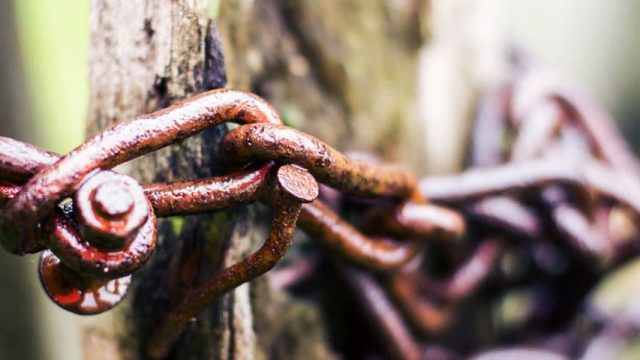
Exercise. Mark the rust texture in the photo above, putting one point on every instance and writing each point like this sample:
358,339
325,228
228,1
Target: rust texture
277,142
554,188
325,226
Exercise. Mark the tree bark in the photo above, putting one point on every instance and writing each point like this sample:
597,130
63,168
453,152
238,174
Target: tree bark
344,71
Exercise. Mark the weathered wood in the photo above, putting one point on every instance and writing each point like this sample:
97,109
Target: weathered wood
144,55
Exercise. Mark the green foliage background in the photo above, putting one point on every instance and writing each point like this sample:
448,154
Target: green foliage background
54,41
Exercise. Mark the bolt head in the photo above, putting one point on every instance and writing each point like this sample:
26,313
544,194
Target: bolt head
113,200
111,208
298,183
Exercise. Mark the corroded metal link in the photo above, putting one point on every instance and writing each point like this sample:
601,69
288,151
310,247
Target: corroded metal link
211,194
576,227
180,197
469,275
295,187
513,178
121,143
221,192
384,316
116,219
510,178
81,295
64,239
66,242
20,161
415,220
426,315
430,305
328,166
506,214
541,123
323,225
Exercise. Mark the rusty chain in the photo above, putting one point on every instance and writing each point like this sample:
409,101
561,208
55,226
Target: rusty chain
547,164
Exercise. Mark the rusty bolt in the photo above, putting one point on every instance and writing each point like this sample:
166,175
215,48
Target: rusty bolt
112,200
111,208
67,243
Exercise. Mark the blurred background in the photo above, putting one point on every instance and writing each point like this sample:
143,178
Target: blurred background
44,92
